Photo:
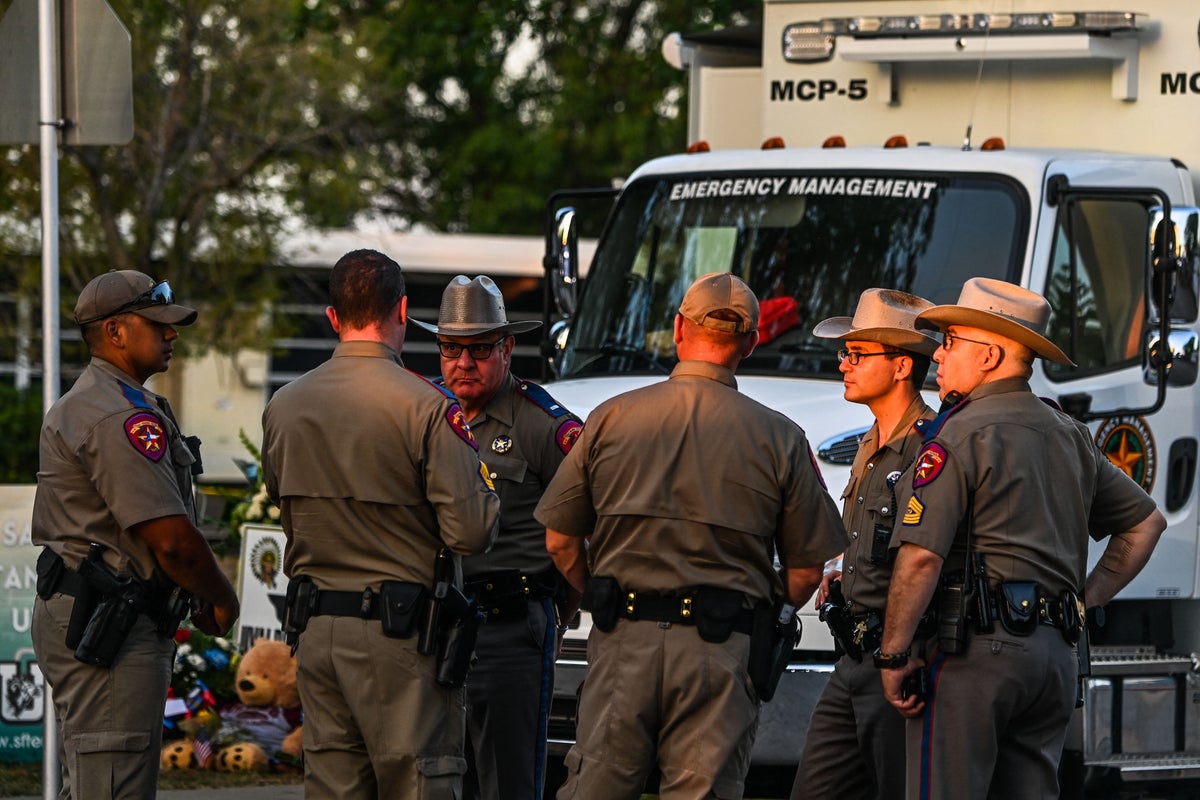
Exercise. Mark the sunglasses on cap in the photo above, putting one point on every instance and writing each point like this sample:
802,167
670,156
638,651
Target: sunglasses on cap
160,294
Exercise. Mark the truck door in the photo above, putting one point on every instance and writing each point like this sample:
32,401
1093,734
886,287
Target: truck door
1100,282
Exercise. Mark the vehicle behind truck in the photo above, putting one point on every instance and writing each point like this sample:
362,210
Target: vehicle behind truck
914,144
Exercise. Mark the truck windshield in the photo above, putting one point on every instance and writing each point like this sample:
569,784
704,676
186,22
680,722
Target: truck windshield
807,243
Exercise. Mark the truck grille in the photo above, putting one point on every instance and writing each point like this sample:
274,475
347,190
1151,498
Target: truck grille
842,448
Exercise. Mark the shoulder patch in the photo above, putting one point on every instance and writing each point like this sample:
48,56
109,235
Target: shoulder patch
567,434
540,397
147,436
458,421
817,469
929,464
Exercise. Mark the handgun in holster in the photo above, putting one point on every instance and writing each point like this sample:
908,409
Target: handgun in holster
834,614
450,626
771,643
301,605
115,603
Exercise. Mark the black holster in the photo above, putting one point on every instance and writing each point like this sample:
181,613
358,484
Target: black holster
774,636
602,598
301,605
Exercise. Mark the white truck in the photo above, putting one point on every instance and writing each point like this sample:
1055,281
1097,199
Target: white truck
914,144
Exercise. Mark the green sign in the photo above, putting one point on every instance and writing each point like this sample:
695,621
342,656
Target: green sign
22,695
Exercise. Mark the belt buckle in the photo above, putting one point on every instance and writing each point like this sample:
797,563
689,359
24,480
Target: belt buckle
686,607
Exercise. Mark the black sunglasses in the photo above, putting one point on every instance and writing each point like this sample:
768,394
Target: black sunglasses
160,294
480,351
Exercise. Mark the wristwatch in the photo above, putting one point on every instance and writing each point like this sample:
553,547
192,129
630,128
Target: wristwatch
891,660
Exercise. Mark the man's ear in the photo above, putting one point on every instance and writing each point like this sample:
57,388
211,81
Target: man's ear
404,310
331,315
678,329
751,343
904,368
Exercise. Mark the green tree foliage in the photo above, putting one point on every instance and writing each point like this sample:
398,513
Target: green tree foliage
484,109
251,117
20,420
229,108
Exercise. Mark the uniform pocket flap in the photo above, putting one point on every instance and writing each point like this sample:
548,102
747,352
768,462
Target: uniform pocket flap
440,766
111,741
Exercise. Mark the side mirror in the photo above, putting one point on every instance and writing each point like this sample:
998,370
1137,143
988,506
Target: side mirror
1175,258
1185,358
563,263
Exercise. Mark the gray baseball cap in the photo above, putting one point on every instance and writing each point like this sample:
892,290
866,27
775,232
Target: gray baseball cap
127,290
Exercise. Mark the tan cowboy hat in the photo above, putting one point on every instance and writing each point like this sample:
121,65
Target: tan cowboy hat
886,316
1002,308
471,307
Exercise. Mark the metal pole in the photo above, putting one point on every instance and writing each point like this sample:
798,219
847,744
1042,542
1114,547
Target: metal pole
48,119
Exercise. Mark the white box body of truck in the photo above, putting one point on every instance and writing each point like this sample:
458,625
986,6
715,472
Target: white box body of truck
1041,145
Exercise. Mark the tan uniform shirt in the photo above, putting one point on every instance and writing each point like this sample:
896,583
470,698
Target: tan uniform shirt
522,443
373,469
110,458
1038,482
689,482
869,502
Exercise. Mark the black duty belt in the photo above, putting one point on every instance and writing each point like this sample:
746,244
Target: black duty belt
69,583
675,609
364,604
504,594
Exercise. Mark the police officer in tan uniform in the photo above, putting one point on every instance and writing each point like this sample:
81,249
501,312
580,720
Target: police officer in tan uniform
375,472
669,511
115,513
524,435
1000,504
854,743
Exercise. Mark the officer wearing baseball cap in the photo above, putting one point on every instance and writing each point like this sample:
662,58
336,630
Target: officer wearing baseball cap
523,434
669,512
115,516
1001,500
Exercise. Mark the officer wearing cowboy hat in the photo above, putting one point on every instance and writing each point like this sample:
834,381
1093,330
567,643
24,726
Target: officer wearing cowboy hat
854,747
1008,489
523,435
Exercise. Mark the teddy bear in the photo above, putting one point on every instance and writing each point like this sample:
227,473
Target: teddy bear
263,727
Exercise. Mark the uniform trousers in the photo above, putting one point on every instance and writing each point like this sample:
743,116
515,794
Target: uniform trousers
659,692
995,720
508,706
110,720
376,724
854,745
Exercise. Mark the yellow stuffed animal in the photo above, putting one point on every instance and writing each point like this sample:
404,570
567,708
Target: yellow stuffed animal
261,729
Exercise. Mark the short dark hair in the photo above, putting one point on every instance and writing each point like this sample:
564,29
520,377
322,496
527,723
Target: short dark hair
364,287
920,369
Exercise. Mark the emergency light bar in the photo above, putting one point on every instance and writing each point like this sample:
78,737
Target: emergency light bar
1106,35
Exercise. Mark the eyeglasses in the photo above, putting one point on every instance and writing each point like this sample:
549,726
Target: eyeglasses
480,351
948,340
854,358
160,294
